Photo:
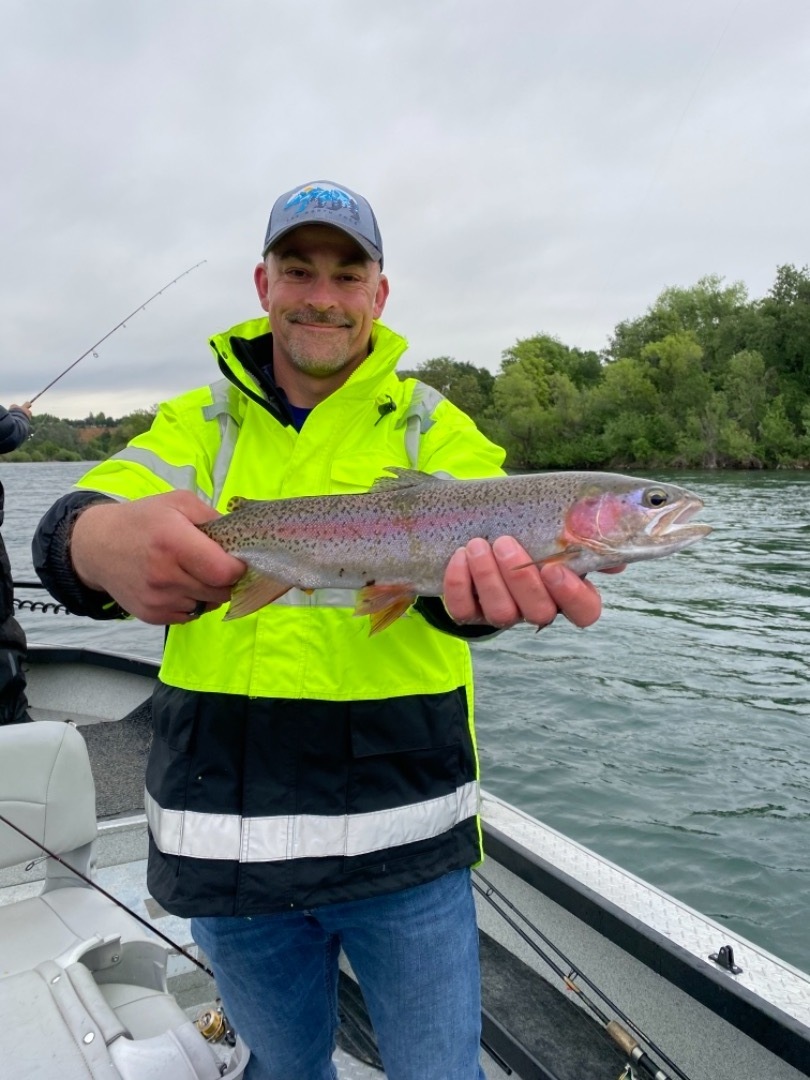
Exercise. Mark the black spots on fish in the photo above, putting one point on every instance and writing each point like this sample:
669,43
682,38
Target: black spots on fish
655,497
370,582
341,572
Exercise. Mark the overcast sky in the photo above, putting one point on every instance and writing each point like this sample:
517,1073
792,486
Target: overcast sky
535,166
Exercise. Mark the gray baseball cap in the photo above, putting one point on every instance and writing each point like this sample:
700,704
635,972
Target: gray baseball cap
325,203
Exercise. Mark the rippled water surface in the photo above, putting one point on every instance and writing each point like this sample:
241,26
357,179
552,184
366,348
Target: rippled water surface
673,736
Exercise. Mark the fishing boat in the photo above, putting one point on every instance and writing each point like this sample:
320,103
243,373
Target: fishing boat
588,972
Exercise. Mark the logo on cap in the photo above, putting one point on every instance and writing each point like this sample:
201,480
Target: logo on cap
312,197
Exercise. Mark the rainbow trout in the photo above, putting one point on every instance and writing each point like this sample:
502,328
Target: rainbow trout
392,543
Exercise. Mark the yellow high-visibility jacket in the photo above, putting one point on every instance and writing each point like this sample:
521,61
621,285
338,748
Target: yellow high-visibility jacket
296,759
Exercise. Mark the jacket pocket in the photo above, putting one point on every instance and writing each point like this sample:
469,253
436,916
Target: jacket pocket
411,758
408,750
415,722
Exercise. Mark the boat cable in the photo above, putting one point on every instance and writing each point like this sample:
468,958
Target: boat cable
110,333
627,1042
95,885
46,606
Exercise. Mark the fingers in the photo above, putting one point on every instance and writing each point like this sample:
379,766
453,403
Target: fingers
150,557
460,596
508,589
499,586
575,597
493,585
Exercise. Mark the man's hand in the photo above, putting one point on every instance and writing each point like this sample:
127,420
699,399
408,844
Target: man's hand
494,585
150,557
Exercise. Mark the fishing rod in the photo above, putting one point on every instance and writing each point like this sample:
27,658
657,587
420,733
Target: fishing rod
117,326
623,1039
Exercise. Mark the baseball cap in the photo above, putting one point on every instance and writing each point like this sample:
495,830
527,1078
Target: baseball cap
325,203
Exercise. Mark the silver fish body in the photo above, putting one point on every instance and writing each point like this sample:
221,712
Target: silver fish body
394,542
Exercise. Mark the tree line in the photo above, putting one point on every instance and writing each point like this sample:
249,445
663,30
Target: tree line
91,439
705,378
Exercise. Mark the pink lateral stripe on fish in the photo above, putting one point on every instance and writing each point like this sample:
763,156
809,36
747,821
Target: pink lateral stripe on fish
392,543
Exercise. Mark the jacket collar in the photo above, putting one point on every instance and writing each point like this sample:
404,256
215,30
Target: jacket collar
245,357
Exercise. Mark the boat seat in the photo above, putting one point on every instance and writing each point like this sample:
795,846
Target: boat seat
83,1030
61,925
83,989
46,787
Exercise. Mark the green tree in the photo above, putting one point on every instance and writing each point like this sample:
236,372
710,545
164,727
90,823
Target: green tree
715,315
676,370
49,434
785,336
780,443
545,355
468,387
748,388
517,416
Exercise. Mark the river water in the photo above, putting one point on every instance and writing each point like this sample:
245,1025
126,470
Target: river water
673,737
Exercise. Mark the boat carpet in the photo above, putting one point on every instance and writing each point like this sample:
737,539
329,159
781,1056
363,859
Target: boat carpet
535,1028
118,752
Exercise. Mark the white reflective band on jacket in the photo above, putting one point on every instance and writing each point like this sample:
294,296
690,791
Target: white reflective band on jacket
305,836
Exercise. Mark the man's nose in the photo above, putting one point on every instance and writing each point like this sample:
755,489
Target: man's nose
321,294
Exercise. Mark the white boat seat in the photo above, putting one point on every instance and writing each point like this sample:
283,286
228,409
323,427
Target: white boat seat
82,987
46,787
142,1011
60,925
82,1030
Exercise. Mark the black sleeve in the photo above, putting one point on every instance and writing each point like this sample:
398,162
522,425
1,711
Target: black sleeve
434,612
50,551
15,428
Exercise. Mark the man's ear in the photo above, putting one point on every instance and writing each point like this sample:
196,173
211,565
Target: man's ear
381,296
262,282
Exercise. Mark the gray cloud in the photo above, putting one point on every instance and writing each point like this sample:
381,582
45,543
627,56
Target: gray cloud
535,167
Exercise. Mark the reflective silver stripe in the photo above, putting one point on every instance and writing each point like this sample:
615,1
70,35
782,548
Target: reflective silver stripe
180,477
195,835
223,409
418,418
318,598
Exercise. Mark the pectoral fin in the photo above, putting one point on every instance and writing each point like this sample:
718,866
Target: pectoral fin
561,557
252,591
384,604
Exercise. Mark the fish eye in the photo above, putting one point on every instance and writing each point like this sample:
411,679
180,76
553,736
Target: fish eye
655,497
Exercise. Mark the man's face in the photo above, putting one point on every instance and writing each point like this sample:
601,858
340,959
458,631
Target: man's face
322,294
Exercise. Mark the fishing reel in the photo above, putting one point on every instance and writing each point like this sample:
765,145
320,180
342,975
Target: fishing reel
214,1026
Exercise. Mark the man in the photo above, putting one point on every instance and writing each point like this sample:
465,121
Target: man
309,786
15,427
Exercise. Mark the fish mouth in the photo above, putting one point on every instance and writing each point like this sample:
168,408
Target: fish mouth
675,522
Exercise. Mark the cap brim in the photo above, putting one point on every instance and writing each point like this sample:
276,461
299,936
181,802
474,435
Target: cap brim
373,253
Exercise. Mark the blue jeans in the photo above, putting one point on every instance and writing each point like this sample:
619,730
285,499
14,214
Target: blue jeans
415,955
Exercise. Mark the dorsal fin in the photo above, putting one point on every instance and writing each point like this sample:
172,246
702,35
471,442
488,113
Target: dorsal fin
402,478
238,502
